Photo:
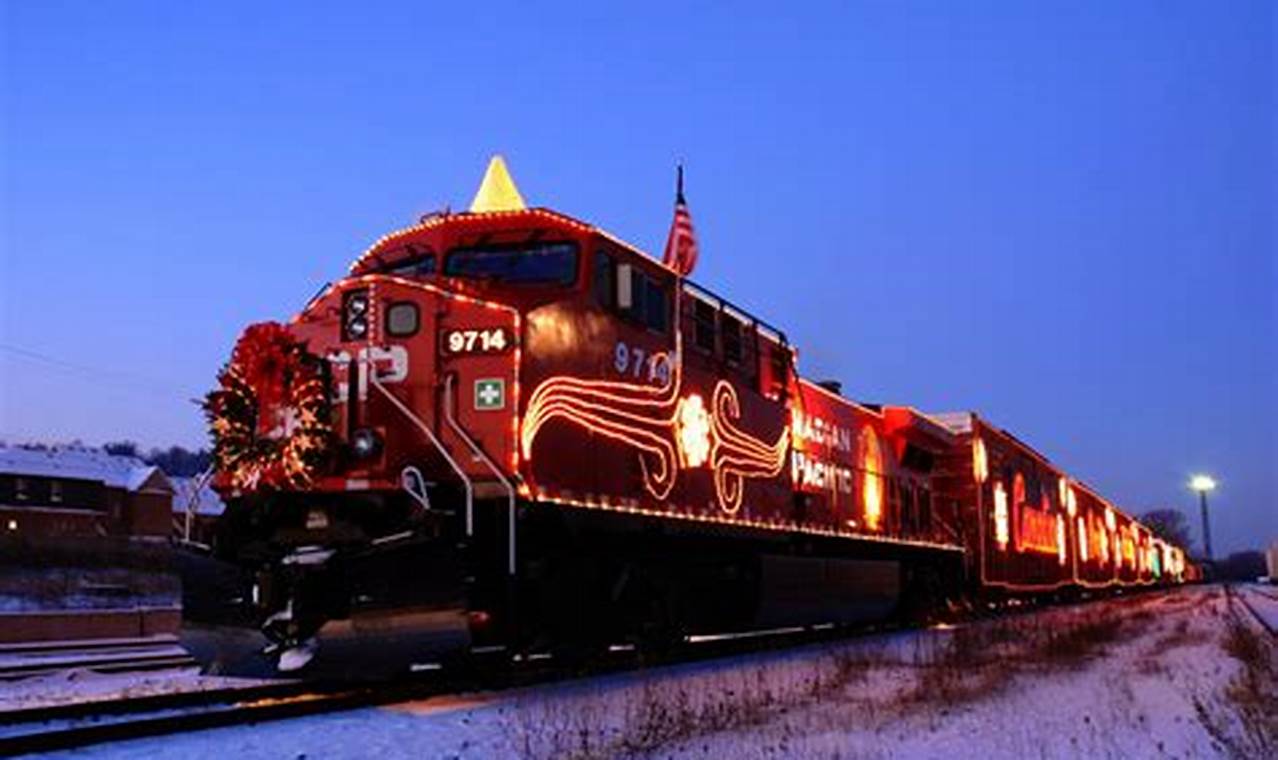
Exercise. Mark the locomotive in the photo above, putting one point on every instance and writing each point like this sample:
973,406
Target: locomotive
506,430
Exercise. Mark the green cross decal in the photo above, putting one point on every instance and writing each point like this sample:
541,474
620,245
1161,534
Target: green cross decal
490,393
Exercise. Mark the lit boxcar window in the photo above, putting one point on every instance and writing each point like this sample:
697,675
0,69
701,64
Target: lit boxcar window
402,319
535,264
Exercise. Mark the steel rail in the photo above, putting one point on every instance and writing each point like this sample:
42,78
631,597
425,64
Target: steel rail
154,715
1241,596
193,711
137,663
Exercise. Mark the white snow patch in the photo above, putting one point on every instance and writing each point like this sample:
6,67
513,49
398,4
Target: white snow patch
1264,600
82,686
1134,690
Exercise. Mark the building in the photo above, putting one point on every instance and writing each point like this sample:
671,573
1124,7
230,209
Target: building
79,491
196,507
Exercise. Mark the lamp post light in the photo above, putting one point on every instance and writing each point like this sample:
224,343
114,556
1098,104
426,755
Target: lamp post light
1202,484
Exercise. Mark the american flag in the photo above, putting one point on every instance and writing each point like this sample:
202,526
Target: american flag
681,245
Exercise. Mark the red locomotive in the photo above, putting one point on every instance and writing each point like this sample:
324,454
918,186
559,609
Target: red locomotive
506,429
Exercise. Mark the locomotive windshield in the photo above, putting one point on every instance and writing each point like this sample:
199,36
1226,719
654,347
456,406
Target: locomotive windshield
530,264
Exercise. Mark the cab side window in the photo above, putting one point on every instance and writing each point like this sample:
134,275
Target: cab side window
730,330
605,280
656,304
631,293
775,369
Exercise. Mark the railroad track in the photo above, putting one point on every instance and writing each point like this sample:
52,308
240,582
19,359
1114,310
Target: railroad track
1241,596
18,661
45,729
1259,592
67,726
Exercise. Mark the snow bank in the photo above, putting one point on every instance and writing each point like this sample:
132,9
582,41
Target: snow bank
1142,676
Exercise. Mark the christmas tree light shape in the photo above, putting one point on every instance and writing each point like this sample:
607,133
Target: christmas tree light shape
497,192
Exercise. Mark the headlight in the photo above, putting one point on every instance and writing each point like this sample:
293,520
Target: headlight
355,310
365,443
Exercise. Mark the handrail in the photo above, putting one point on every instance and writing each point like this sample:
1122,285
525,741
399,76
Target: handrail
193,503
482,456
466,483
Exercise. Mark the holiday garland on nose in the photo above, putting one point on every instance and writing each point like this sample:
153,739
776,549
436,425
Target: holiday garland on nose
270,372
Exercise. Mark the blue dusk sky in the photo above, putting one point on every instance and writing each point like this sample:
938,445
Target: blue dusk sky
1059,214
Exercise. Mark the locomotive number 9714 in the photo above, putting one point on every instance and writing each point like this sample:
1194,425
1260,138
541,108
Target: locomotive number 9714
493,340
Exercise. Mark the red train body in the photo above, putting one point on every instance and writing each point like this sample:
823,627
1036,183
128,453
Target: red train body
536,435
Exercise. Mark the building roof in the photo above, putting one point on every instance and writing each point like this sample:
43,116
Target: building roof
196,492
83,463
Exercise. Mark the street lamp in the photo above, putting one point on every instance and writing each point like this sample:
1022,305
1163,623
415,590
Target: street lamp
1202,484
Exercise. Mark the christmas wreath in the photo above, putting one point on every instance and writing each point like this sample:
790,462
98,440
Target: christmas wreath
269,417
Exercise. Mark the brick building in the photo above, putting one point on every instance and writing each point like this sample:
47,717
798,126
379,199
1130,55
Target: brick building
80,491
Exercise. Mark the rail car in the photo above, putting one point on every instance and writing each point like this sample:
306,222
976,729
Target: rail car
508,430
1034,529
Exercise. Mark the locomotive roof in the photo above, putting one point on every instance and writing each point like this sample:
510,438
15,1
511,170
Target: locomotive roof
964,423
464,219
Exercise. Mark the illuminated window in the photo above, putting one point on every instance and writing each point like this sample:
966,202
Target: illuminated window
21,489
1082,539
1018,503
1061,545
980,466
55,491
1071,501
1001,534
872,464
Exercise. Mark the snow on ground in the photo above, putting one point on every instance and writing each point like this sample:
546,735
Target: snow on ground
1264,600
86,686
1158,675
73,658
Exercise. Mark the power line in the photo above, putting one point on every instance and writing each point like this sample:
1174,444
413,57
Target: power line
119,378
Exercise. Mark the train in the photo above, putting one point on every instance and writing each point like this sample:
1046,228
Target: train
506,430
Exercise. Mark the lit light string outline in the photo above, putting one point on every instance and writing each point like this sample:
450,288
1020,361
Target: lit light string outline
638,415
736,455
647,418
868,461
980,474
372,280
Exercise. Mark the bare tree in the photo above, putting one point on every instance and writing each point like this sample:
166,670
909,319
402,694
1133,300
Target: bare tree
1169,525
